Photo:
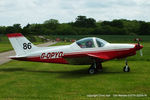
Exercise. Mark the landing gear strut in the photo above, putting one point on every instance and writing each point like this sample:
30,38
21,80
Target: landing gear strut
126,68
95,67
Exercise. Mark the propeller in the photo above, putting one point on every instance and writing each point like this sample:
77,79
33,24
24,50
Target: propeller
141,53
138,41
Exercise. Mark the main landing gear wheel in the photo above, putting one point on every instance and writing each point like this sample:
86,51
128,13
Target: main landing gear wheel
126,68
92,69
95,67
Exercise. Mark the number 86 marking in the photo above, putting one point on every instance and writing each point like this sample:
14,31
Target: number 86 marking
27,46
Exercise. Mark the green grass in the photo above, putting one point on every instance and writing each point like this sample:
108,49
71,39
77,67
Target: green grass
5,47
34,80
43,80
4,44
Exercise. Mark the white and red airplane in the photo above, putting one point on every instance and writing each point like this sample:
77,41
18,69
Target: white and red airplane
86,51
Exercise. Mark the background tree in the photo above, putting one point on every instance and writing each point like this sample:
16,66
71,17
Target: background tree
82,26
82,21
3,30
17,28
10,29
26,29
144,28
51,24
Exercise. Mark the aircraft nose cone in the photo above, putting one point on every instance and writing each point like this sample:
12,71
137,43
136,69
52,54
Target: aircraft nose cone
141,46
138,47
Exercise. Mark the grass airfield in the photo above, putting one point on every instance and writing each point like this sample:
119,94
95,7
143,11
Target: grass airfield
34,80
28,80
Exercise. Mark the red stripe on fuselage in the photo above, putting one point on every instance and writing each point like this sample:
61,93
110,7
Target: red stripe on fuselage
38,59
14,35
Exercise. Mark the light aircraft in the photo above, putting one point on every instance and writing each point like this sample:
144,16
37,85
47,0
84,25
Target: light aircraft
87,51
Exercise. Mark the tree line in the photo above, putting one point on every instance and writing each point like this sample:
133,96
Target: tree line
82,26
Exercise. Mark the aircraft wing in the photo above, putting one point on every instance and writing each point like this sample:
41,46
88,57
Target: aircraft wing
102,56
85,58
99,56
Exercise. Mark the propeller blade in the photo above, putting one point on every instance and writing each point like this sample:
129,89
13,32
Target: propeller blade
138,42
141,53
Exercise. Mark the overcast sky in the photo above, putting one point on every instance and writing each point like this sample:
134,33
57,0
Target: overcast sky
37,11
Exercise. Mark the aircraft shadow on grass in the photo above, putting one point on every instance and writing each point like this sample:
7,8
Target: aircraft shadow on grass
63,74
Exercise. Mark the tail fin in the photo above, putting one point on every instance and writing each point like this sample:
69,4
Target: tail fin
21,44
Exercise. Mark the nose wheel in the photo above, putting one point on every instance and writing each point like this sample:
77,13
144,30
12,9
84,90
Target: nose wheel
126,68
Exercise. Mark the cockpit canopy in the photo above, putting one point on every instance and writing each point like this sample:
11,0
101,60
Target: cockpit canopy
91,42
